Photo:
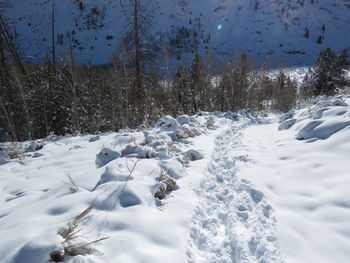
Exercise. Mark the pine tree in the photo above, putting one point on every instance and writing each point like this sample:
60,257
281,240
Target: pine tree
341,63
284,92
199,83
181,90
328,73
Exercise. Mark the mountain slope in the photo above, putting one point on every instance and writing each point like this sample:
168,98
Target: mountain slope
290,31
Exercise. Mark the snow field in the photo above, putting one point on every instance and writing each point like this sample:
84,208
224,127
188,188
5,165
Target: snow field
248,189
303,170
118,173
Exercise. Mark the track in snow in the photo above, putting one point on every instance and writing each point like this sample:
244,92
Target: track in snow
232,223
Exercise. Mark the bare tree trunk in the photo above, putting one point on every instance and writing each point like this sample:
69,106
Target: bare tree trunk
53,33
25,104
6,37
140,93
5,34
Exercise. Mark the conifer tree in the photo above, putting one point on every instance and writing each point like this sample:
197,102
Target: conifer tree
199,83
181,89
328,74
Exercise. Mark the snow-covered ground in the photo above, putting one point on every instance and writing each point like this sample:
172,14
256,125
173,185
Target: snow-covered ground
304,173
229,187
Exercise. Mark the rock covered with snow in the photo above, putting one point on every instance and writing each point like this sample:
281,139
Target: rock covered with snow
193,155
167,123
105,156
183,119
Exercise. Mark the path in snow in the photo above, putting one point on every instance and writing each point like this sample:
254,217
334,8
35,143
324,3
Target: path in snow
233,222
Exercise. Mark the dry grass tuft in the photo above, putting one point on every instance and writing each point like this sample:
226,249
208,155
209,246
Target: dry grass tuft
70,235
14,152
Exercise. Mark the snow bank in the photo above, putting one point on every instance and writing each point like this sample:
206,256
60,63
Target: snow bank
322,120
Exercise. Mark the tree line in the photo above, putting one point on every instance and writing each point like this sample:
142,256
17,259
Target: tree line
39,99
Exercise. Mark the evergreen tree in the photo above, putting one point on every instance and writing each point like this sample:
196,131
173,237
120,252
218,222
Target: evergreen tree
199,84
181,90
328,74
341,63
284,92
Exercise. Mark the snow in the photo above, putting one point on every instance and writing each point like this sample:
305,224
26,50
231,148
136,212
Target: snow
272,31
118,173
306,181
232,222
239,187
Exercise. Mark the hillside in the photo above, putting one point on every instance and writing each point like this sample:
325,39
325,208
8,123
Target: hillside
287,31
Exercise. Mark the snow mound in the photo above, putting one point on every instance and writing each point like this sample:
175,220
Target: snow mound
112,175
287,124
173,168
38,249
320,121
286,116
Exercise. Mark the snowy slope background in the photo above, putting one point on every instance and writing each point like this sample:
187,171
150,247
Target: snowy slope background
267,30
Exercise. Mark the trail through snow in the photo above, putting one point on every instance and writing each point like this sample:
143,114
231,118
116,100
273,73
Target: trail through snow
248,190
233,223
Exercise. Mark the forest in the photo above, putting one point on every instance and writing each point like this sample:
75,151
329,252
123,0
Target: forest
69,98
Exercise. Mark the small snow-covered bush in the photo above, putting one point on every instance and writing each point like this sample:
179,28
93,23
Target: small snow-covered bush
210,122
185,132
165,186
